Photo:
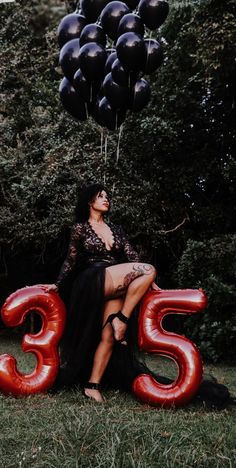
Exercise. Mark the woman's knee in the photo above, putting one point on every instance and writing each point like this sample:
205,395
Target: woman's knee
152,272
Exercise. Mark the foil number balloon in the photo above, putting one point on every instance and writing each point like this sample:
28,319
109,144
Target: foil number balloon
43,344
154,339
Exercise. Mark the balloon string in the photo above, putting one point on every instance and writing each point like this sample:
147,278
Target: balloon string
102,135
105,153
91,93
133,100
116,121
86,110
77,7
118,144
149,44
98,20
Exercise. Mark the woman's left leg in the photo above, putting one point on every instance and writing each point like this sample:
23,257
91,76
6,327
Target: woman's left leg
104,349
134,278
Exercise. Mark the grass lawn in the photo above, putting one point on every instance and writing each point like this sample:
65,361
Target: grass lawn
67,430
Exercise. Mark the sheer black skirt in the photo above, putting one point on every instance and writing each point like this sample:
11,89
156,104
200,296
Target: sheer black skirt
83,294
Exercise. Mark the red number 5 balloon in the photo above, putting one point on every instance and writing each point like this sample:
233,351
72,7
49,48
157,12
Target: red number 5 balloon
43,344
154,339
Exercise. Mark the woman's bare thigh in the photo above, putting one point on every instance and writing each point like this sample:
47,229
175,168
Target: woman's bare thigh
118,277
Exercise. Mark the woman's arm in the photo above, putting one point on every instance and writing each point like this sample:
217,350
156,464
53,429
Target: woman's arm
70,260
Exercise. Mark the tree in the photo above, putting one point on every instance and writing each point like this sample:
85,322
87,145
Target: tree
173,182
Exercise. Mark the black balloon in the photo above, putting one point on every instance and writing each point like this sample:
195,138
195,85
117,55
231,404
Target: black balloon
153,12
71,101
140,95
70,27
117,95
93,33
111,16
92,8
69,58
87,90
122,77
131,22
112,118
110,60
154,57
131,51
92,59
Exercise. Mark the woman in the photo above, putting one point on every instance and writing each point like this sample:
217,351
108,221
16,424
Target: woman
102,281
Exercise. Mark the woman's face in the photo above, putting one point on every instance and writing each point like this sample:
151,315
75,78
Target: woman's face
101,202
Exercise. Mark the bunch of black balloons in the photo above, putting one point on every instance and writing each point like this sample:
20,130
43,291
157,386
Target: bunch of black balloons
105,54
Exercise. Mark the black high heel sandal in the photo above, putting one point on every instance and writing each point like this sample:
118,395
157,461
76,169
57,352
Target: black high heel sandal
93,386
123,319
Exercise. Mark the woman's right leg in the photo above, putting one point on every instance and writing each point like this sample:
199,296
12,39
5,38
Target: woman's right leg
104,349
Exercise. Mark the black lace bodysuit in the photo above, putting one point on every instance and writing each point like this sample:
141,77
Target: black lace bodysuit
87,248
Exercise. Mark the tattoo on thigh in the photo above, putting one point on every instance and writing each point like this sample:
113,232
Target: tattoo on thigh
137,270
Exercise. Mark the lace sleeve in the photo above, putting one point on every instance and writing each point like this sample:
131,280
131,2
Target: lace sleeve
70,260
130,253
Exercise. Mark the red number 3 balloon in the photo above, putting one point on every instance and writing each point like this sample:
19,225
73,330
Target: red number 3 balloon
154,339
43,344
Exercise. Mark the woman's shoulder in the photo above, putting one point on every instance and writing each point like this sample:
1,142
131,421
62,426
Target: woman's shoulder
78,228
78,225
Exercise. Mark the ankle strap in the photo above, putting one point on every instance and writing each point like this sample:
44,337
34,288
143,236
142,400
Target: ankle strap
92,385
122,317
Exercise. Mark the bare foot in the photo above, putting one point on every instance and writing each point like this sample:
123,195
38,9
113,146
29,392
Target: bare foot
94,395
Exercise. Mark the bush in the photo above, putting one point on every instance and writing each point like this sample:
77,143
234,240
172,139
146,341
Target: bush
211,265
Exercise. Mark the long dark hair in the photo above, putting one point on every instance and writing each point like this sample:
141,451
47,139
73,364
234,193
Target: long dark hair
85,195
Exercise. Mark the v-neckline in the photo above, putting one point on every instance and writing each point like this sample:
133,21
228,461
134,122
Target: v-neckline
108,223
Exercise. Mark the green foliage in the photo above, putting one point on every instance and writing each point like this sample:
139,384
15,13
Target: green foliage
211,265
173,182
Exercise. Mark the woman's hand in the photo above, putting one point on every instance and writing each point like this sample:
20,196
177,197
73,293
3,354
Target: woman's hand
155,287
